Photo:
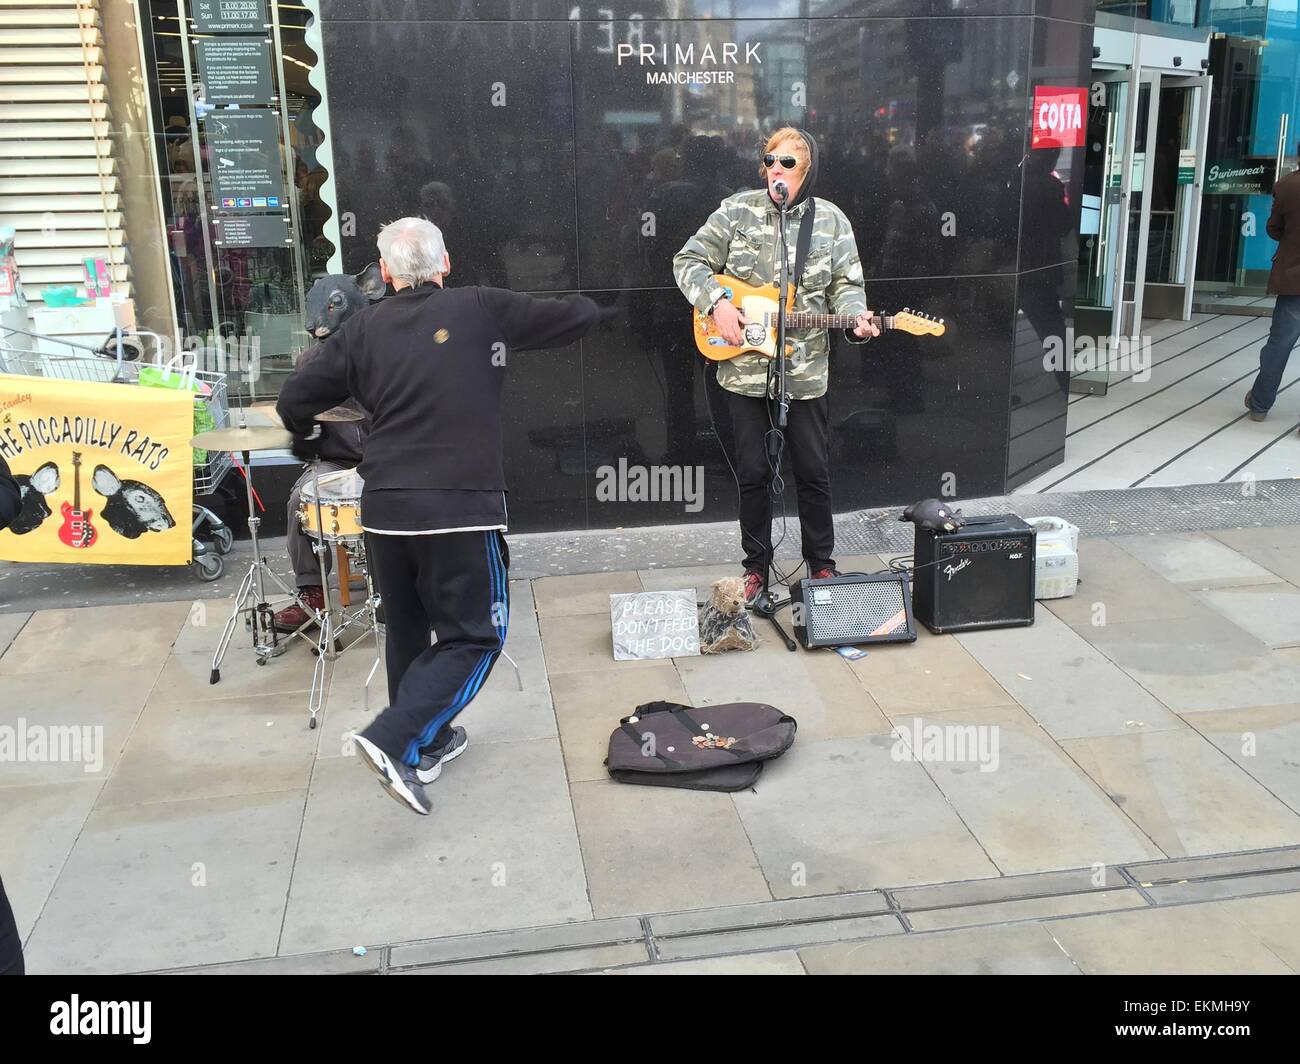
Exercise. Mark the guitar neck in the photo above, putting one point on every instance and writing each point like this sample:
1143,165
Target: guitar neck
831,321
76,488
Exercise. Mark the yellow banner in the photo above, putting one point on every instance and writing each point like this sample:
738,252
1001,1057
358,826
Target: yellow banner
104,469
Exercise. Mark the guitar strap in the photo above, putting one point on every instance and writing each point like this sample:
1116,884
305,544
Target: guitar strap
803,242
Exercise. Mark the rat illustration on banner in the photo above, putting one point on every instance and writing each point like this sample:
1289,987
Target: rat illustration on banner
134,443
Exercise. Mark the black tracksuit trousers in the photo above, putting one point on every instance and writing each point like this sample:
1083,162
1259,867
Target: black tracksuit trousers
454,585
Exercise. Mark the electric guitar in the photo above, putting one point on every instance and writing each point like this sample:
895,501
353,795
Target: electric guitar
759,305
77,531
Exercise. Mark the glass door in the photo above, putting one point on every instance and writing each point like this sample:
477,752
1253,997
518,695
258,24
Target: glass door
1103,219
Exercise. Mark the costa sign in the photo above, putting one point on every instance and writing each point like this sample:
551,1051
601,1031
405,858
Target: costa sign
1059,117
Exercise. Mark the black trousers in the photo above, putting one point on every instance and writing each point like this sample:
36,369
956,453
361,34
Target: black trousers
807,444
11,946
453,584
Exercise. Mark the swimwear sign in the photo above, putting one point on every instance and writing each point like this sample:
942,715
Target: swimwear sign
1059,117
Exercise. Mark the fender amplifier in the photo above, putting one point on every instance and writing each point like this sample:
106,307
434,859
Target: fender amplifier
981,576
853,609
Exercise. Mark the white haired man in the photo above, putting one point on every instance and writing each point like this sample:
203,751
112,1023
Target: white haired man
429,364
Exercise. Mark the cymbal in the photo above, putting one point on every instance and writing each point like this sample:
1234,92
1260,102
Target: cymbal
340,413
253,438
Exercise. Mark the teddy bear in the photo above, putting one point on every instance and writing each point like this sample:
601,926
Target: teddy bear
724,624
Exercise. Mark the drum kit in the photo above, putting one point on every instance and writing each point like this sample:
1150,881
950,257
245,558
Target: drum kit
330,513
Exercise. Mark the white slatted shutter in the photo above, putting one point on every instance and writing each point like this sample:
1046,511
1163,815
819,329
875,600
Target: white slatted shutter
58,178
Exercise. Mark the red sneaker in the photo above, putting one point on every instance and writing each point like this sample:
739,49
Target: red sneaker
826,573
753,585
293,617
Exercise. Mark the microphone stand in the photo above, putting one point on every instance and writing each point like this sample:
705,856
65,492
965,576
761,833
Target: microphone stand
765,604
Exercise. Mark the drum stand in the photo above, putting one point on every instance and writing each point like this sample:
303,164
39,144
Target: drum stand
335,620
250,599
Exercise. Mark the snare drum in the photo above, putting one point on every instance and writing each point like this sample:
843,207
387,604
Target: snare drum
340,507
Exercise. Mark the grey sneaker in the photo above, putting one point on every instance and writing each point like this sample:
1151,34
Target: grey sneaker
1255,415
399,780
433,758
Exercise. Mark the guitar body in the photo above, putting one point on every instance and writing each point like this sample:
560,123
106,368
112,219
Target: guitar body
77,531
759,305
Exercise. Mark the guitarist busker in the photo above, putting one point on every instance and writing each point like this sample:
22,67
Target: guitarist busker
740,239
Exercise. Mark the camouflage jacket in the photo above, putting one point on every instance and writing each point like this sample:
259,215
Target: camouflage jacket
740,239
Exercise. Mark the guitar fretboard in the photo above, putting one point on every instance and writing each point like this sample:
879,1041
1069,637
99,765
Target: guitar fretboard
829,321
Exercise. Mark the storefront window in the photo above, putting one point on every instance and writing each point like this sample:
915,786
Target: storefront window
240,181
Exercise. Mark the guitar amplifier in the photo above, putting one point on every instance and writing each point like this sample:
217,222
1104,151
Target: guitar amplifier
981,576
852,610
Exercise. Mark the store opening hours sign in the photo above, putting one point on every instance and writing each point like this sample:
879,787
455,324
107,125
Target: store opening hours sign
1060,117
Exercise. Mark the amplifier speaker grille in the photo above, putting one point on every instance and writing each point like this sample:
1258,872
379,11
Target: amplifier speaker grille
851,610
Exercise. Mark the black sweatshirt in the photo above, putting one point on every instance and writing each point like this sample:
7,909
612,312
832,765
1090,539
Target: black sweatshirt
429,364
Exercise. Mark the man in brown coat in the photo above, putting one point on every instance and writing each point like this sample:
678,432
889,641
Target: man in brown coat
1284,282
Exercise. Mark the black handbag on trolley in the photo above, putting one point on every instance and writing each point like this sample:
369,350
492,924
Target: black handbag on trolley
714,748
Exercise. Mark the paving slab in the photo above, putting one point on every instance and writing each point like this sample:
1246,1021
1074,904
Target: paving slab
766,914
555,963
1271,613
106,701
569,596
39,824
844,815
1007,888
10,625
1276,549
1033,810
1016,949
1065,683
162,886
498,944
1181,940
1230,887
688,947
583,643
201,630
335,962
498,851
185,677
1231,864
212,749
1199,664
589,705
1185,794
781,962
1124,588
649,849
1274,920
1263,742
1025,909
1195,559
120,637
817,687
934,672
700,577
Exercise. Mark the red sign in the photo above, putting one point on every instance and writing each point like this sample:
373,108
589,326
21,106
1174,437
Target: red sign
1060,117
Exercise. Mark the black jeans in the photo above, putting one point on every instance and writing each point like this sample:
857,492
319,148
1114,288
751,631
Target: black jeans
11,946
453,584
807,443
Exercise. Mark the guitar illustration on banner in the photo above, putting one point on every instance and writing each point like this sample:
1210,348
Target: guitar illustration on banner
77,531
759,305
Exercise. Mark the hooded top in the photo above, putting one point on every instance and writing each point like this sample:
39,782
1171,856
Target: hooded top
810,178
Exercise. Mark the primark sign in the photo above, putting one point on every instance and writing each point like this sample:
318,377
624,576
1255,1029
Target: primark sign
690,64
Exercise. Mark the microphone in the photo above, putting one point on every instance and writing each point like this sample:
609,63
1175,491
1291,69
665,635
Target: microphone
781,190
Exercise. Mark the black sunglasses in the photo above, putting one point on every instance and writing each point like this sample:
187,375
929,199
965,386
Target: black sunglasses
788,162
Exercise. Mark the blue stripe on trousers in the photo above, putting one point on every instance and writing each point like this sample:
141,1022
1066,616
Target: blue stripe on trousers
471,687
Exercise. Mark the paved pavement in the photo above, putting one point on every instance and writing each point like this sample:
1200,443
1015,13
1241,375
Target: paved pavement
1138,808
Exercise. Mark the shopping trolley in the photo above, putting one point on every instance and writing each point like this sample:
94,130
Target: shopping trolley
117,361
